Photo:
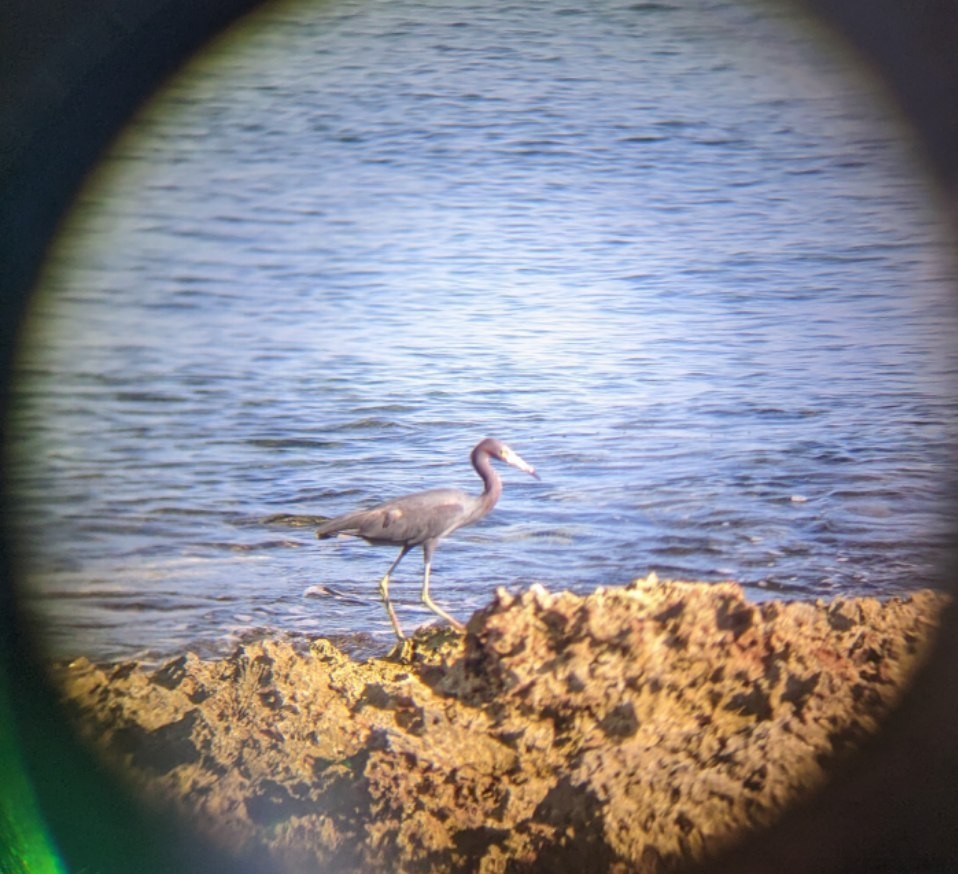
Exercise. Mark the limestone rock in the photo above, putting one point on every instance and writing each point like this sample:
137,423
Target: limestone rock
633,729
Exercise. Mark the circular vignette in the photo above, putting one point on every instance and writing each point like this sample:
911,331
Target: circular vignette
77,74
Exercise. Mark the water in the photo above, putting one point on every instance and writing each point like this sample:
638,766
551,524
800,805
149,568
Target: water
679,256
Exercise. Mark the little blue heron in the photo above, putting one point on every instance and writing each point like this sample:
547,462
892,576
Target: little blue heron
424,518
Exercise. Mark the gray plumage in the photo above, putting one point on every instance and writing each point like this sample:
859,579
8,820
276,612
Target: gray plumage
424,518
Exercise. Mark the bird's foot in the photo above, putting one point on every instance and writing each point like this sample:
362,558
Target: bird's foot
403,651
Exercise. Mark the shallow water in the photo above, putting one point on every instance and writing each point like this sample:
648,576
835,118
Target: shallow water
682,260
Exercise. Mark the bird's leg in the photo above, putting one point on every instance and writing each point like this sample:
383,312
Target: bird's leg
384,592
432,605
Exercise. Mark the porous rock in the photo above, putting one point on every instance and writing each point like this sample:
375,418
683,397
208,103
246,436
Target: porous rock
633,729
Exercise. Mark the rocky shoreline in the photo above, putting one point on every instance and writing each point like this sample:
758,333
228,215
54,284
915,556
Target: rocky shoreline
639,729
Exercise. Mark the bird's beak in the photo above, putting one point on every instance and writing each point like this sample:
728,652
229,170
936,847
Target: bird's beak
510,457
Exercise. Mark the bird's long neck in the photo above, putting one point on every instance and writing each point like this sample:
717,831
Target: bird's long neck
492,485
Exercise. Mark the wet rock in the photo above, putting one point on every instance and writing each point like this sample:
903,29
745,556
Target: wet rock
634,729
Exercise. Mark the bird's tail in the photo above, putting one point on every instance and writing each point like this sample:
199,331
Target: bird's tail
327,530
339,525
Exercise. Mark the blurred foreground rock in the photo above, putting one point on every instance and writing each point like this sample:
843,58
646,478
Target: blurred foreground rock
634,729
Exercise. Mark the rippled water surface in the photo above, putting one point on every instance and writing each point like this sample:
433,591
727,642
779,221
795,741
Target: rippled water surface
678,255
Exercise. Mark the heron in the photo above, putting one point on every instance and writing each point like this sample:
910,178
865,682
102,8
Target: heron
424,518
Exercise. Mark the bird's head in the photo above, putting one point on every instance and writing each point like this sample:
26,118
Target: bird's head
498,449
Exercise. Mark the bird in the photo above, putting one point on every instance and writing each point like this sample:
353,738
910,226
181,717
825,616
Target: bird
424,518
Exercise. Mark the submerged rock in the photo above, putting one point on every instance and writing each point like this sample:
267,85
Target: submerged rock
633,729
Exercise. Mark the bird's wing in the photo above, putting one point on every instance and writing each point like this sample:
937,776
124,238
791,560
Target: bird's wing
417,518
413,519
